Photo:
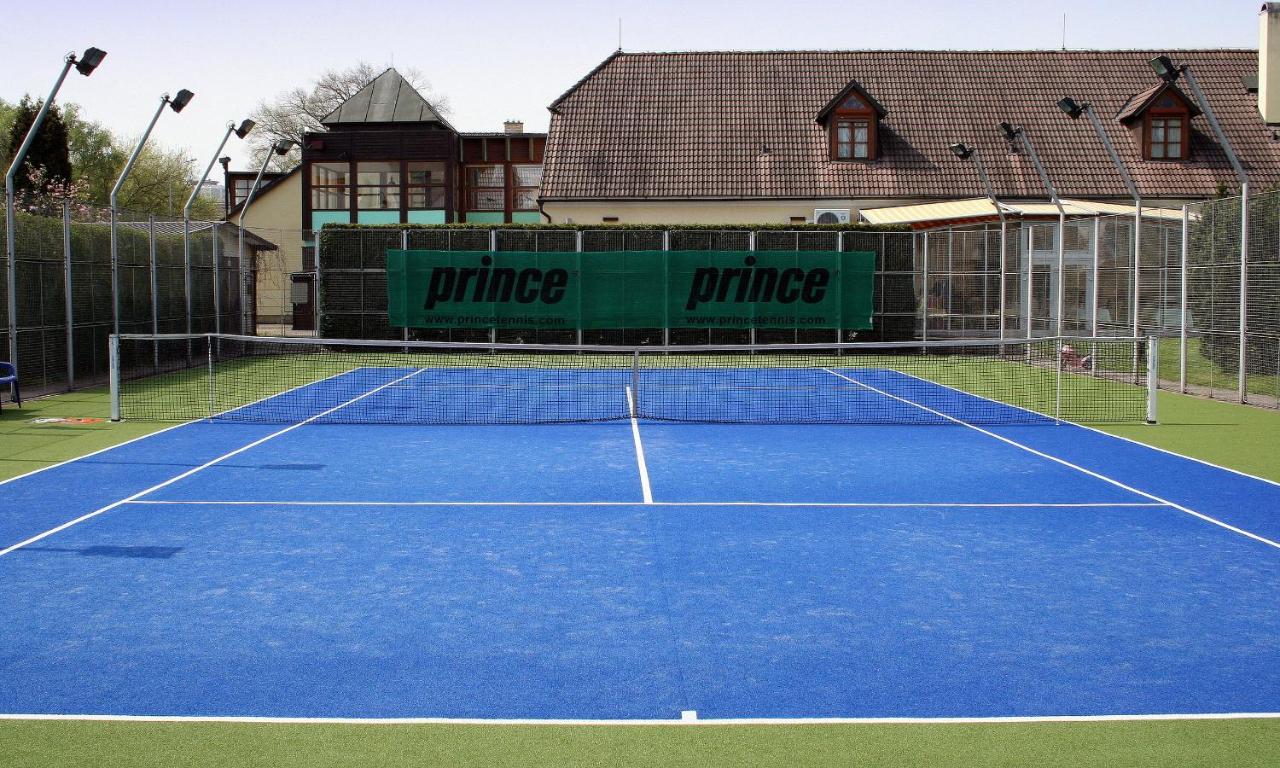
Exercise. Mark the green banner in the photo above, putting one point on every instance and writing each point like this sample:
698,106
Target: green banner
630,289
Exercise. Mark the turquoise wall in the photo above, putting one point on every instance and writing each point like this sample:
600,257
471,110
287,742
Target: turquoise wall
378,217
484,217
526,217
426,217
320,218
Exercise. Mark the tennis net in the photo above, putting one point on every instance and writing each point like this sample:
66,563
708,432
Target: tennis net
291,380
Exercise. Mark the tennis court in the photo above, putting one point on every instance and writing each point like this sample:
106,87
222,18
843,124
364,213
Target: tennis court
799,538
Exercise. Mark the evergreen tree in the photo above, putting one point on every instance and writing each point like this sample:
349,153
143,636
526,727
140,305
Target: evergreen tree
48,153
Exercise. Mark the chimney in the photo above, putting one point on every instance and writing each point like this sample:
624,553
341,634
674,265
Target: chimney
1269,62
517,126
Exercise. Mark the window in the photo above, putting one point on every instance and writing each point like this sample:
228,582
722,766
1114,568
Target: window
853,140
426,186
487,188
378,186
1165,139
526,179
330,186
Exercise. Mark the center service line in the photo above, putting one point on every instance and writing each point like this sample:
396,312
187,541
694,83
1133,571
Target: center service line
635,438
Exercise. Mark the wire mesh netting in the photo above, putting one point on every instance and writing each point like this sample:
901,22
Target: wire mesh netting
345,381
68,298
953,283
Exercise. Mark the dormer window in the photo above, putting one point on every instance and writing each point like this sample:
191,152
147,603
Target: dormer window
852,121
1162,116
1164,140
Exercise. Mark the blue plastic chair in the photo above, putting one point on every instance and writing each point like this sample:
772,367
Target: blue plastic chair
9,375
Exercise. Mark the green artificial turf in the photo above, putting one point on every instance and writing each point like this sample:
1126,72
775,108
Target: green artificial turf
1168,744
1241,437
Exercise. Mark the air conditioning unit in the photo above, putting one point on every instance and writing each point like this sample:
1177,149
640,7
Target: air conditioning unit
830,215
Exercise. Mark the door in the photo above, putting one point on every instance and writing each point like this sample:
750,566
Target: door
302,291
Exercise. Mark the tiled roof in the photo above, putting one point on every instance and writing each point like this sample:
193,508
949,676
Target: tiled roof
741,125
388,98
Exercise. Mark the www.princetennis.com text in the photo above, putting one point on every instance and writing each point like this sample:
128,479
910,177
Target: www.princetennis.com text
517,321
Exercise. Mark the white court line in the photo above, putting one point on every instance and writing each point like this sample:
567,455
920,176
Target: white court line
842,504
203,466
645,490
1065,463
1134,441
692,722
173,426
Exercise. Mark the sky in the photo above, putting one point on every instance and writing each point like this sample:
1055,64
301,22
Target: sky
496,59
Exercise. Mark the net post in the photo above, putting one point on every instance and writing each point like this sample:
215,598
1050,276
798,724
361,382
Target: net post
1182,300
68,308
635,382
1153,376
666,305
212,387
113,365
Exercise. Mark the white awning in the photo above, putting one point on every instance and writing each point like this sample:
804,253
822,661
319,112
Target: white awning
981,207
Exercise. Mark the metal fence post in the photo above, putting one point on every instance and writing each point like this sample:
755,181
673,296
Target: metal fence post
217,280
666,305
1242,381
751,334
577,247
1094,274
924,292
1004,271
186,278
69,310
1182,302
315,234
155,290
404,332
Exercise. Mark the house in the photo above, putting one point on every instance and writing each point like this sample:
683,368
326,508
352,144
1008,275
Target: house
784,136
386,156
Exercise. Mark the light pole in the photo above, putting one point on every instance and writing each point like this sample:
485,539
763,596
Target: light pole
966,152
281,148
1164,68
240,131
1015,133
1074,110
85,65
177,104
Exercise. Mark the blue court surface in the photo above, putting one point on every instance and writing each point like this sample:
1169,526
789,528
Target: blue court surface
638,570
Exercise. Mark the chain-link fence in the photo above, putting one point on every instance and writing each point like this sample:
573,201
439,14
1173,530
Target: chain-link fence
69,299
1016,279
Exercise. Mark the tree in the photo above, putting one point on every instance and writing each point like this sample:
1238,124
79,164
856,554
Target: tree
298,111
96,155
160,182
7,113
48,160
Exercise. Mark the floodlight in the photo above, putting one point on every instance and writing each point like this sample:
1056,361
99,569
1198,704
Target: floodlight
1009,131
226,163
962,151
1071,107
179,102
246,125
90,60
1164,68
283,146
